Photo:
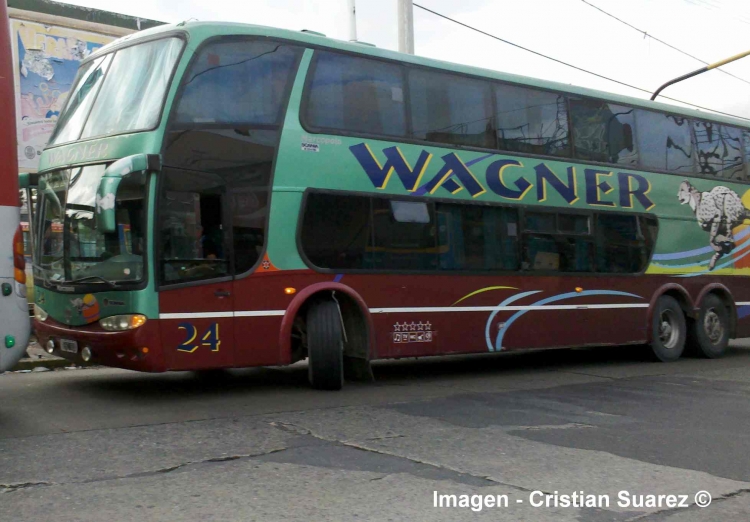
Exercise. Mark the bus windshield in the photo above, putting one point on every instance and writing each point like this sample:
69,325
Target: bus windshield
72,245
119,92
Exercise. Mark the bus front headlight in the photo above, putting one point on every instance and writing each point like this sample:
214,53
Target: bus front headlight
39,314
120,323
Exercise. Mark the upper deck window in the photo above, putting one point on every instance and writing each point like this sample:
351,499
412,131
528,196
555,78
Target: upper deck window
664,142
603,132
719,149
238,82
121,92
80,100
134,88
451,109
357,95
533,121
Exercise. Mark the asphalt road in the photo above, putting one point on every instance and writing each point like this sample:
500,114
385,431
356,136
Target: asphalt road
110,445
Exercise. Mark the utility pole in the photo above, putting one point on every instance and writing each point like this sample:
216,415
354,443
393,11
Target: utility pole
406,26
352,21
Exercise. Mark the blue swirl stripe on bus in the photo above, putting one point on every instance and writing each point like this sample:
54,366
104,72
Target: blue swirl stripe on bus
561,297
508,301
729,262
697,251
737,250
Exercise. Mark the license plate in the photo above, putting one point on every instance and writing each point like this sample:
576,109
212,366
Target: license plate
68,346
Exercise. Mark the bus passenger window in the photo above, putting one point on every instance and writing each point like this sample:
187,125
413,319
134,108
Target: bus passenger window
664,142
624,243
558,242
353,94
401,242
336,231
477,237
719,149
447,108
192,242
603,132
531,121
239,82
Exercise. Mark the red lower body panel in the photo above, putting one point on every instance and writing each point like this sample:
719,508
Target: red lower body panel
411,316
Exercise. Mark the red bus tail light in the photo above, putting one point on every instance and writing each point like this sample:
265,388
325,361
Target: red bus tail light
19,262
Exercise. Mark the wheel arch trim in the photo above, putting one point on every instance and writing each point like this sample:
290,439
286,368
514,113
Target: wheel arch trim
303,297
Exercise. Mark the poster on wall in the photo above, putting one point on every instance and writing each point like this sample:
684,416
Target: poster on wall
46,60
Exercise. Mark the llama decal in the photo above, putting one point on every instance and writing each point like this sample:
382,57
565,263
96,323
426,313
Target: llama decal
717,211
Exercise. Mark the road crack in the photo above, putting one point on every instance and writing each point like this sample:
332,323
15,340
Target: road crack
10,488
294,428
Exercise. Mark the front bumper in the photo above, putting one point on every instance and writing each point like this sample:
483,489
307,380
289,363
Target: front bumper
115,349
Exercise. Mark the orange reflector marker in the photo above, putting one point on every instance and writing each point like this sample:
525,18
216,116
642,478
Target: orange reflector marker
19,262
144,349
579,289
290,291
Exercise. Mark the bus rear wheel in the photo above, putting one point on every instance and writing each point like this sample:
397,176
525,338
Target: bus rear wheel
709,336
668,330
325,346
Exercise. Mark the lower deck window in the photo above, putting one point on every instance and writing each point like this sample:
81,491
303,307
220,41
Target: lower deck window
355,232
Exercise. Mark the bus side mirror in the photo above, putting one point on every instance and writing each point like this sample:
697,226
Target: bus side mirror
106,194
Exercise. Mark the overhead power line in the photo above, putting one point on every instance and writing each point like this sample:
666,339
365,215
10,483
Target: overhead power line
647,35
571,65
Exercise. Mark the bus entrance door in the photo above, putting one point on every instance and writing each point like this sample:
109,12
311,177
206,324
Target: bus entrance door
197,302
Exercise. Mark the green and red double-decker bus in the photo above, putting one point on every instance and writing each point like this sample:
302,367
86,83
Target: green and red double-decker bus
220,195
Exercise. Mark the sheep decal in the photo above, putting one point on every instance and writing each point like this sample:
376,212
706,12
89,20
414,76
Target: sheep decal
717,211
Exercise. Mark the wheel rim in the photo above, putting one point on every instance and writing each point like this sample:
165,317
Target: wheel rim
712,326
669,334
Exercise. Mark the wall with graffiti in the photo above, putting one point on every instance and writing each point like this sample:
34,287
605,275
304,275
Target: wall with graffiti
46,60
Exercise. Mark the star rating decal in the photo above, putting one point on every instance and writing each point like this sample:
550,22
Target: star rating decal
412,332
412,327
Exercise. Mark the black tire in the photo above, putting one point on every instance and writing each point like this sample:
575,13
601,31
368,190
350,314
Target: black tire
668,330
325,346
709,333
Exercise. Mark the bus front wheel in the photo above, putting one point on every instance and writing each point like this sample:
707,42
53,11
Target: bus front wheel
668,330
325,346
709,336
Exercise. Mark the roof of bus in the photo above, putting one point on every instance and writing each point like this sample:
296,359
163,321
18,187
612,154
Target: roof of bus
202,30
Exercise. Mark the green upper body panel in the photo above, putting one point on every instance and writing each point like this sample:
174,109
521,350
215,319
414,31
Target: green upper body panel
349,163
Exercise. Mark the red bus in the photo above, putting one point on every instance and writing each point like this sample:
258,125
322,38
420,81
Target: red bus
14,323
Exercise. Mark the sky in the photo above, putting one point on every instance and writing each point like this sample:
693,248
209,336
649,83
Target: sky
569,30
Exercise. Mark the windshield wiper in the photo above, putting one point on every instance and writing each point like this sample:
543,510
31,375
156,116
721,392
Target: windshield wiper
43,271
112,284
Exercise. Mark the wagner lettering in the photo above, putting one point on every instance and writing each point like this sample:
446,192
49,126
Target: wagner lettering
507,178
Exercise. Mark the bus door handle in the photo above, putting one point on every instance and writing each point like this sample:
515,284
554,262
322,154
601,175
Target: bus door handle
221,294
